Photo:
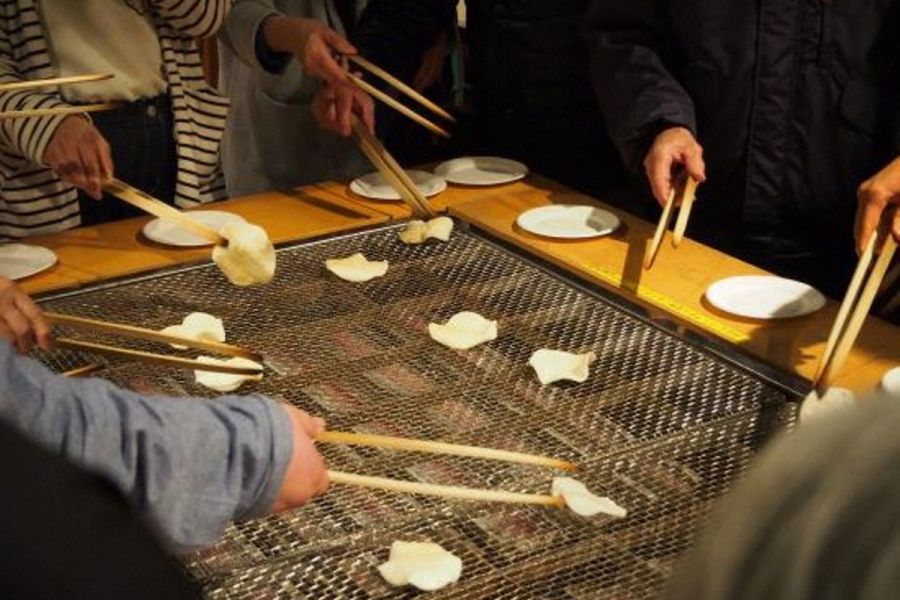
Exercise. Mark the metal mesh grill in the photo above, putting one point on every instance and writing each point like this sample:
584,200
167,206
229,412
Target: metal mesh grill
661,426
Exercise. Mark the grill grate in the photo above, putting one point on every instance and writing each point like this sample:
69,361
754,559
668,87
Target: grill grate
661,426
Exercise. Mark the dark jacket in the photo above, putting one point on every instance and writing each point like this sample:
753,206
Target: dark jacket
528,70
794,101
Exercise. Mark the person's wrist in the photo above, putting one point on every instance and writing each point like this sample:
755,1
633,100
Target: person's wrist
275,33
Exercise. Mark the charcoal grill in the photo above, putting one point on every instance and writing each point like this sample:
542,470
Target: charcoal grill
664,425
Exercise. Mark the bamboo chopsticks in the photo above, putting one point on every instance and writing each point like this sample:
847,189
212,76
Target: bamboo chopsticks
460,493
855,308
445,491
682,195
130,331
27,84
413,445
152,335
160,209
391,170
401,87
57,110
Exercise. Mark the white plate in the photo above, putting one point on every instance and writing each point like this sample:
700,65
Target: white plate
764,297
18,261
376,187
890,383
170,234
481,170
568,221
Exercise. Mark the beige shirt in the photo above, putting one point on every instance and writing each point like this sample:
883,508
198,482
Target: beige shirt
105,36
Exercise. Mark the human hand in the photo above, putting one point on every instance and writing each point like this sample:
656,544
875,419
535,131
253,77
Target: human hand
313,43
21,321
432,65
335,105
673,149
80,155
874,197
305,476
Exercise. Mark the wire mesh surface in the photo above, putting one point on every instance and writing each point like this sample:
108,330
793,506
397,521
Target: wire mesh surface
661,427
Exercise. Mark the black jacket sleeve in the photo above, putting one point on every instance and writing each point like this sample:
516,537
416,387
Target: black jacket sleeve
638,95
394,33
67,534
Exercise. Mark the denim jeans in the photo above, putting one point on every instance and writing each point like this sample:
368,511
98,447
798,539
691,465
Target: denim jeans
142,142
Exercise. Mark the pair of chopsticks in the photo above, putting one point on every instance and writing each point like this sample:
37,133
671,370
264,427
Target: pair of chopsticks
446,491
391,170
373,148
683,194
160,209
59,110
855,307
140,333
404,89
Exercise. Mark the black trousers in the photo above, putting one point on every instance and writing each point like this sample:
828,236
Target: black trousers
142,141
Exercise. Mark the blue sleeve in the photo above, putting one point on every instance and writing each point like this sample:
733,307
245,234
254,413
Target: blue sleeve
189,466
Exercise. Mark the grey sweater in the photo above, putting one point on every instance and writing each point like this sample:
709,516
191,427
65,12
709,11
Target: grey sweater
272,141
189,466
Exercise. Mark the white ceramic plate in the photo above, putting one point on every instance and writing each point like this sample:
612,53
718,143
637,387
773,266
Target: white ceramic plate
568,221
764,297
481,170
18,261
170,234
375,187
890,383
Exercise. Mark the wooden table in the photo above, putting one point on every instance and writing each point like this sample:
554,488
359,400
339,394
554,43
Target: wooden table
672,290
89,254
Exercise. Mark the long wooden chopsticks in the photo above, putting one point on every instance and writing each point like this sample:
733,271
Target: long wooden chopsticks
682,195
391,170
130,331
57,110
27,84
413,445
160,209
151,335
445,491
401,87
854,308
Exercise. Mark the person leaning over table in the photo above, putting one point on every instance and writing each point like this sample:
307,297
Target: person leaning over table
794,103
163,138
188,466
290,96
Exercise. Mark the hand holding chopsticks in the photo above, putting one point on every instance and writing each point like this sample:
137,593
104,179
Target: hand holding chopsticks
461,493
857,302
132,332
681,196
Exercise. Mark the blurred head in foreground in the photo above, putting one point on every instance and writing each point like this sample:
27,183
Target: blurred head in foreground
817,517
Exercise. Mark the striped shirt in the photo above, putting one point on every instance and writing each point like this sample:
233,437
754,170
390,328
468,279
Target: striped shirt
33,200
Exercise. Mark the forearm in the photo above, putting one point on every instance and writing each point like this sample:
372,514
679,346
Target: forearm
243,34
194,18
637,94
30,136
189,465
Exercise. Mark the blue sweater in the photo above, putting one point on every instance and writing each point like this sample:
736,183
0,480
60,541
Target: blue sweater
189,466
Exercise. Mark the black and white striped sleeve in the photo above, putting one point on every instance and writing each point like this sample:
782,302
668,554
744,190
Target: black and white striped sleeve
194,18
